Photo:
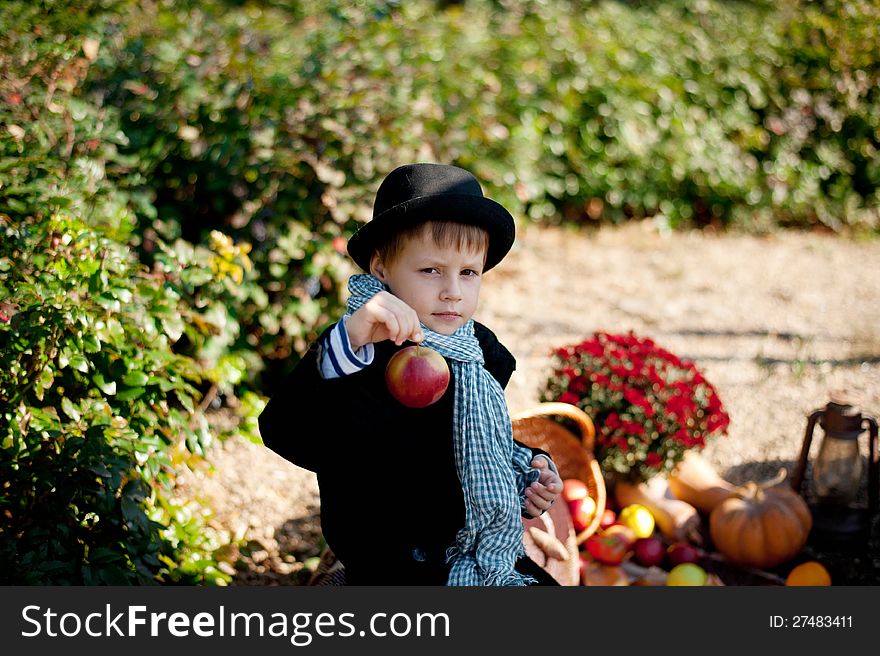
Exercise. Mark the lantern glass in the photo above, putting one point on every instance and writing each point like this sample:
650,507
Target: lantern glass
837,471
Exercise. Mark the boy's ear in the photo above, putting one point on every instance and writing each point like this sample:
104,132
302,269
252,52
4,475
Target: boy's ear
377,267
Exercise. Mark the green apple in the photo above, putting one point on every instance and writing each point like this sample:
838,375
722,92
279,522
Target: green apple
687,574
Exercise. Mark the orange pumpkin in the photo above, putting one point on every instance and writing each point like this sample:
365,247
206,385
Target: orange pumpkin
761,525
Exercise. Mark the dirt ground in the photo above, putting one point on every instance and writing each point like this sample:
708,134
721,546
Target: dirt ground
774,322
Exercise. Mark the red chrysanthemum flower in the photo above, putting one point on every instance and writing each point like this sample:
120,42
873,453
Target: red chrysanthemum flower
649,405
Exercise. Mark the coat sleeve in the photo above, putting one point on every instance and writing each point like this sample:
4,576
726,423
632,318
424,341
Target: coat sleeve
297,421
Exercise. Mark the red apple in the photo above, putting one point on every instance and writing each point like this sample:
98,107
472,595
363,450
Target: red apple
574,488
417,376
607,549
649,551
625,532
582,511
608,518
682,552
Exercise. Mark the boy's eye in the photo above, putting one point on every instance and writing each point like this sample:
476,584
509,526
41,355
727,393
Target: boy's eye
470,272
429,270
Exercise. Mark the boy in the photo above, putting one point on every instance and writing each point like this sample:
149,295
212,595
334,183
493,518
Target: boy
449,476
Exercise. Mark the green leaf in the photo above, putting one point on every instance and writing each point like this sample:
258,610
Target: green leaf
103,555
79,362
104,385
185,400
69,409
110,303
100,470
47,377
135,379
173,327
45,418
122,294
91,344
165,384
129,394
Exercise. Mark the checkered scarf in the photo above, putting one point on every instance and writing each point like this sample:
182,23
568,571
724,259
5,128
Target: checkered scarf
493,474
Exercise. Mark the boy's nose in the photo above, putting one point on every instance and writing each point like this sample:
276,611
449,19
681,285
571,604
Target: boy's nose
451,291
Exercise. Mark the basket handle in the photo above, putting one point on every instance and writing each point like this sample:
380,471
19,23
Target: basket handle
569,411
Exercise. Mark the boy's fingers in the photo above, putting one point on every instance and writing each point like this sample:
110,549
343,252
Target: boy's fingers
391,324
535,508
545,492
537,492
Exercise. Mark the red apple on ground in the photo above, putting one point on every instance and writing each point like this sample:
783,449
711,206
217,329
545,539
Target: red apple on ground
574,488
417,376
649,551
625,532
682,552
606,549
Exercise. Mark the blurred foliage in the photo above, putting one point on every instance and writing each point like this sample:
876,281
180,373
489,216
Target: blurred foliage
178,180
823,116
274,122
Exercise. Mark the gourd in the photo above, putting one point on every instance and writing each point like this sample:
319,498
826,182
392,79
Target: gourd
597,574
677,520
761,525
696,482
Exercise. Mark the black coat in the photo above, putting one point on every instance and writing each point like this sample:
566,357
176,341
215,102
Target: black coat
391,500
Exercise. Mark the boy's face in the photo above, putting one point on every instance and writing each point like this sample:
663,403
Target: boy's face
441,284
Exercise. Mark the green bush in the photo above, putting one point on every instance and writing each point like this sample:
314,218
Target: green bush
95,407
580,111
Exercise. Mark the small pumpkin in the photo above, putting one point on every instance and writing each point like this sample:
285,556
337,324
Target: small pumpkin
761,525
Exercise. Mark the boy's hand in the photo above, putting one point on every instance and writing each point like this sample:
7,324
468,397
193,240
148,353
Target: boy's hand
383,317
541,494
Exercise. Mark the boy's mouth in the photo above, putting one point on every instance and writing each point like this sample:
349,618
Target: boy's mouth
447,315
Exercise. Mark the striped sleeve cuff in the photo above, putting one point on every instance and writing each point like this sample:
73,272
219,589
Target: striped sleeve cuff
336,358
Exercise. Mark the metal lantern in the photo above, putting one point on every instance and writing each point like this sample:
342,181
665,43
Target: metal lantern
838,470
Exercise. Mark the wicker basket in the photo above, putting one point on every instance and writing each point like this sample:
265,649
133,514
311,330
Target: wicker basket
573,455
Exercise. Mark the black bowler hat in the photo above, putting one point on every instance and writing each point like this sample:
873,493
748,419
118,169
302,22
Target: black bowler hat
415,193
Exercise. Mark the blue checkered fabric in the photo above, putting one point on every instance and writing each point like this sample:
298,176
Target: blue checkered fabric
493,472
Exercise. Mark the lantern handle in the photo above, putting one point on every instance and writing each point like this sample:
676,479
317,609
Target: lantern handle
798,478
873,466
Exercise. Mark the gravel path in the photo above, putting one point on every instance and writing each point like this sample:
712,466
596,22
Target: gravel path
775,323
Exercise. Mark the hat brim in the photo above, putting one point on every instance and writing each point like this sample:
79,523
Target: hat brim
460,208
